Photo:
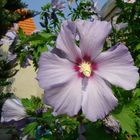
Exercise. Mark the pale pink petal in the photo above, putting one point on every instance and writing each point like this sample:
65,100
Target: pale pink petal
65,98
116,66
66,41
120,26
12,110
54,70
129,1
98,99
92,36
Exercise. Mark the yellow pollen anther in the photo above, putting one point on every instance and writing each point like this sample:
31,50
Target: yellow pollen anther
85,68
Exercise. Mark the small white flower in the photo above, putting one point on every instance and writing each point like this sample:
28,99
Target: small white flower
129,1
120,26
11,35
111,123
57,5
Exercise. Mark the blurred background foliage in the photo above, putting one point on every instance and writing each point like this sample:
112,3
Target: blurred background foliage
8,16
44,125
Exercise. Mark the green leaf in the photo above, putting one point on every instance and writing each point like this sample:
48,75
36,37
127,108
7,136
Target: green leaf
47,37
31,105
30,129
126,117
138,47
137,92
96,132
45,139
22,35
3,3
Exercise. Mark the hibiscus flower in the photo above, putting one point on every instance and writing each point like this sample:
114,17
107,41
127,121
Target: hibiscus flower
80,78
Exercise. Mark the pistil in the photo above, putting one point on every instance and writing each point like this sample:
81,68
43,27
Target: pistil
85,68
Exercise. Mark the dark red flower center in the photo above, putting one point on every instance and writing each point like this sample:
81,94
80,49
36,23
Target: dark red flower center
85,67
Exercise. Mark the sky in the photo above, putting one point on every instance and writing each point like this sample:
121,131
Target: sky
37,4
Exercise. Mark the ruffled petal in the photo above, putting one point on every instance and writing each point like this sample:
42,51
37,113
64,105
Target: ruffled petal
65,98
66,41
116,66
98,99
12,110
92,36
54,70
